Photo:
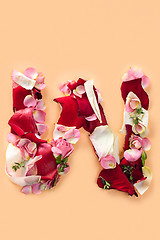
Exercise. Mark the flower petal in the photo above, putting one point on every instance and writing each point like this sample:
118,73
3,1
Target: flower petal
29,101
91,118
40,105
72,136
70,112
117,180
102,139
39,116
41,128
31,73
92,98
108,162
19,93
145,81
22,80
132,155
27,189
80,89
142,186
11,138
146,144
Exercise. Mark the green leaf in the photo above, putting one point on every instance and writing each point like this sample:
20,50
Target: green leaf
58,159
143,158
65,160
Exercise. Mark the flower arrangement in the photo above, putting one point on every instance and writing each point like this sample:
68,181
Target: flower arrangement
37,164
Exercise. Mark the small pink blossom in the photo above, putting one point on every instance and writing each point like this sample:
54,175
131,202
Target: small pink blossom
132,102
65,89
27,147
108,162
61,147
138,128
79,91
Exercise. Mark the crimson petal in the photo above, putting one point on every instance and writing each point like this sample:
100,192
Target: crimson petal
117,180
135,86
22,122
19,93
70,112
136,170
46,166
91,125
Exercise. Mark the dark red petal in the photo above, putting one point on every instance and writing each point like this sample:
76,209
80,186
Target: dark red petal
23,122
69,115
73,85
128,135
135,86
19,93
117,179
136,171
33,138
46,166
37,93
91,125
85,109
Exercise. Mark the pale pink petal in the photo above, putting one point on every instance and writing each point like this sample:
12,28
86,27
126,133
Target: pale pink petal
31,73
23,181
23,80
12,138
27,189
31,147
56,151
40,105
132,155
64,88
108,162
72,136
29,101
134,103
36,188
23,141
142,186
145,81
91,118
80,89
146,144
77,94
41,128
40,86
135,72
39,116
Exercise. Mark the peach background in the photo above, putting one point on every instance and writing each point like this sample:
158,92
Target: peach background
92,39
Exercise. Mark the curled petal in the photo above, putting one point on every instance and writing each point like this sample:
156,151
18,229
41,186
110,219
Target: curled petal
63,87
80,89
39,116
108,162
102,139
31,73
132,155
92,98
77,94
132,102
93,117
29,101
22,80
36,188
142,186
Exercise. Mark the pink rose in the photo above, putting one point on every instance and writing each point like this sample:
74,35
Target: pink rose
61,147
27,147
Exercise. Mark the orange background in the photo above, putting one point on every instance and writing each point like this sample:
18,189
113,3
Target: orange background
92,39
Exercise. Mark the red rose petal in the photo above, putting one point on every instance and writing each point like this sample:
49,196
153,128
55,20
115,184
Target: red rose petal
23,122
46,166
69,115
117,180
19,93
135,86
127,137
136,171
89,126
